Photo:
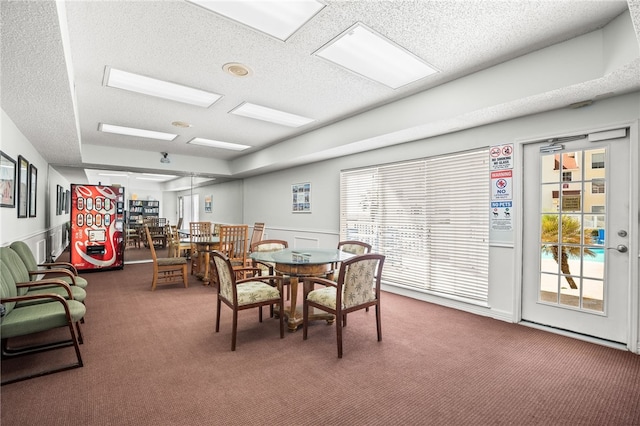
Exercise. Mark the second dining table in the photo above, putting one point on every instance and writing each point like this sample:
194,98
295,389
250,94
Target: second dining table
299,263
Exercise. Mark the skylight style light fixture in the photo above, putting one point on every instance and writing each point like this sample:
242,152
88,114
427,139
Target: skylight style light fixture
161,89
218,144
365,52
132,131
277,18
113,174
271,115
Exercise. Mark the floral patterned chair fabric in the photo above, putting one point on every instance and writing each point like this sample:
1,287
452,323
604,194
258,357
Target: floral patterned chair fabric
247,293
357,287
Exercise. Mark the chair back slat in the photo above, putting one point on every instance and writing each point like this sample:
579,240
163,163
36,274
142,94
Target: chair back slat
256,235
233,243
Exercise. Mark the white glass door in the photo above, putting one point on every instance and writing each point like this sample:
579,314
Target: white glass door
576,218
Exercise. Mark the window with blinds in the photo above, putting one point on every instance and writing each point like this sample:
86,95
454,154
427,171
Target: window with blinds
430,219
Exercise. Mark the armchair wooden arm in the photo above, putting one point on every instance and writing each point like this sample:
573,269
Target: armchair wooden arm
60,265
64,272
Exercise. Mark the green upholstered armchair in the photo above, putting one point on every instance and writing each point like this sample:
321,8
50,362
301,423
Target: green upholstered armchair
20,272
63,270
35,313
357,287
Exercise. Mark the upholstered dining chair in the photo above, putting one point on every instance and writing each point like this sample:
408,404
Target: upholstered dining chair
198,230
253,292
349,246
357,287
266,267
166,269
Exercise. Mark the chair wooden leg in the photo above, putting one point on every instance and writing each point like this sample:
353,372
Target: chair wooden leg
234,330
305,318
184,275
339,335
155,280
281,318
218,315
378,322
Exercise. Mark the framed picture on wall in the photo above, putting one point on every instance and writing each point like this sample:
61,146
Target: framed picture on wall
67,201
7,181
301,197
33,190
23,186
208,204
58,200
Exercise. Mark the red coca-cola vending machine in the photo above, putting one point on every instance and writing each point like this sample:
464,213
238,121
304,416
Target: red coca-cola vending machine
97,227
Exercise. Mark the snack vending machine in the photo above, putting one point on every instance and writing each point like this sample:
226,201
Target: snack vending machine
97,227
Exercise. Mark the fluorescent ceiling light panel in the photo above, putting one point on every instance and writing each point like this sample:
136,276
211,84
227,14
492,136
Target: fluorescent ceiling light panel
161,89
150,178
218,144
271,115
277,18
131,131
365,52
112,174
159,175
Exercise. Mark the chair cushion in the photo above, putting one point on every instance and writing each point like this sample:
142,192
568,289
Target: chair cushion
168,261
255,291
77,292
40,317
80,282
325,296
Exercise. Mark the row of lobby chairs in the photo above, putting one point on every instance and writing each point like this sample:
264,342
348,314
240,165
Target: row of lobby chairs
37,298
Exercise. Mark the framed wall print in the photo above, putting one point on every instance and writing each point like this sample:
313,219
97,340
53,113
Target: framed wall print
23,186
67,201
7,181
301,197
33,190
58,200
208,204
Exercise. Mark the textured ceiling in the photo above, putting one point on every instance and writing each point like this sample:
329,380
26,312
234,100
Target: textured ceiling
183,43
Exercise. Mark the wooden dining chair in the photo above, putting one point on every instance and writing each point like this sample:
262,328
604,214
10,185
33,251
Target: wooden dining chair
357,287
198,231
166,269
233,244
257,233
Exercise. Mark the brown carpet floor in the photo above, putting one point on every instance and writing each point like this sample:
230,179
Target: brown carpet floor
153,358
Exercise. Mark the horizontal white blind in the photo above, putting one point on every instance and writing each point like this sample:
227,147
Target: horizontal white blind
429,217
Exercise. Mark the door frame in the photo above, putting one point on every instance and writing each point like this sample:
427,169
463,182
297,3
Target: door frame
633,302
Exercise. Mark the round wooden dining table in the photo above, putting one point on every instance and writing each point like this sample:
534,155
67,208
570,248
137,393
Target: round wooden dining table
299,263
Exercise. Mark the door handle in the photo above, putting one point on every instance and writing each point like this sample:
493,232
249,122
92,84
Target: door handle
620,247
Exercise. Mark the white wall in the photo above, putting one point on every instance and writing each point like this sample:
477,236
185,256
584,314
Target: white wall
33,230
227,202
267,197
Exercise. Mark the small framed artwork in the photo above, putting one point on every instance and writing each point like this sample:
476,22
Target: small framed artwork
58,199
33,190
208,204
7,181
67,201
23,186
301,197
61,197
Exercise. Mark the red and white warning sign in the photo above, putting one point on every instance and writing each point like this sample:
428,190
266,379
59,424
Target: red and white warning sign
501,184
